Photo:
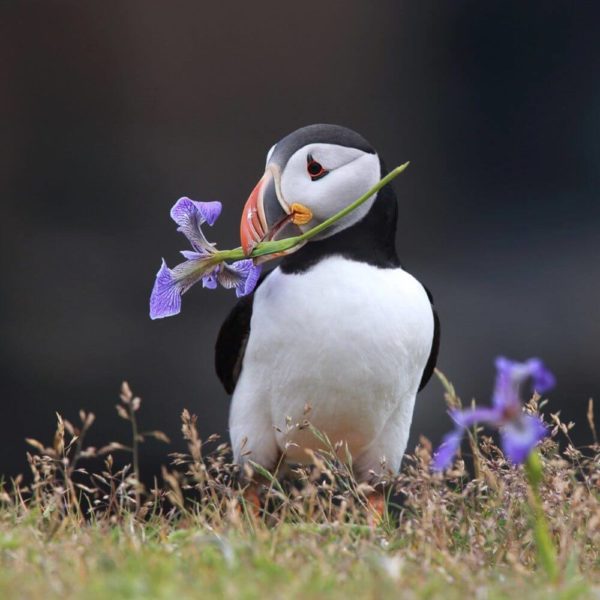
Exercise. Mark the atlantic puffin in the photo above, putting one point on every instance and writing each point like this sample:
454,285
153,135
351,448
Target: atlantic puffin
338,330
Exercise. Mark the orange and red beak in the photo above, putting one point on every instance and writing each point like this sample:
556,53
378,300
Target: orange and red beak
253,227
267,215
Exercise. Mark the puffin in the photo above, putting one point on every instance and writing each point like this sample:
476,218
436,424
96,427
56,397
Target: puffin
338,333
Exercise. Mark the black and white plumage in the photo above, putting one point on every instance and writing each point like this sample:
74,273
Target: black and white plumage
338,326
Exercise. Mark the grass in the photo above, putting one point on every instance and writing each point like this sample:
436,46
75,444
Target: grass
158,562
85,526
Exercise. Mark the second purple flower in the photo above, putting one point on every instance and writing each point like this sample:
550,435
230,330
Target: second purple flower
519,432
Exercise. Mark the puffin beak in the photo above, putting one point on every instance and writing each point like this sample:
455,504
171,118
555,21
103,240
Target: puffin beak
266,214
253,227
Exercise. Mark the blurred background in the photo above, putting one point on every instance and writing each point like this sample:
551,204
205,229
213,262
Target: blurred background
111,111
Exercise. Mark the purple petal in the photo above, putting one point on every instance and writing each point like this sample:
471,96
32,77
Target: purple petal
504,365
506,388
192,254
210,279
170,284
519,373
470,416
165,299
511,375
190,216
521,436
442,459
242,275
543,379
208,212
251,280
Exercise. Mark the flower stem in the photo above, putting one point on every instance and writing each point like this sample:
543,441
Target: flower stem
273,247
545,547
348,209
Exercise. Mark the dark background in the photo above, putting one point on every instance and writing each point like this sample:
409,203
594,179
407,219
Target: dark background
111,111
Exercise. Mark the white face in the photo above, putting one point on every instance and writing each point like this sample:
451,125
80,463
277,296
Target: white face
347,173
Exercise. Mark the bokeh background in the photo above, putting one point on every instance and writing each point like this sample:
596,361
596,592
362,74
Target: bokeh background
110,111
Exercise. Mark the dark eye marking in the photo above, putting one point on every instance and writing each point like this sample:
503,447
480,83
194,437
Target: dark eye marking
315,169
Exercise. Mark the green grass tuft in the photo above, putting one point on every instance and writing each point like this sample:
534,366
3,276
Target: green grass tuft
84,526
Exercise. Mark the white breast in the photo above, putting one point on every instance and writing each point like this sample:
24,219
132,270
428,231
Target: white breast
347,339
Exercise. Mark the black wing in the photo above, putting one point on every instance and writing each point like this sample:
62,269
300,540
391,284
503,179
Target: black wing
435,346
232,340
231,343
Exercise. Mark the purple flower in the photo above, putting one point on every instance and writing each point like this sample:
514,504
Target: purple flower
201,263
519,432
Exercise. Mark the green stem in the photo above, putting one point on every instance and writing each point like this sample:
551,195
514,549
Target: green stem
273,247
342,213
545,547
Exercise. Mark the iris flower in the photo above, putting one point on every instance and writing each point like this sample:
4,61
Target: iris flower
201,264
519,432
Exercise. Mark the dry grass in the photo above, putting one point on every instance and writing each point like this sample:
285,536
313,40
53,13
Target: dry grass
85,527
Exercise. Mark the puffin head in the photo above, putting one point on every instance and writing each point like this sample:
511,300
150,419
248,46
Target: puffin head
310,175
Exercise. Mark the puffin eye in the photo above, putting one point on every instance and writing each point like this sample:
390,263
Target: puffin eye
315,169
